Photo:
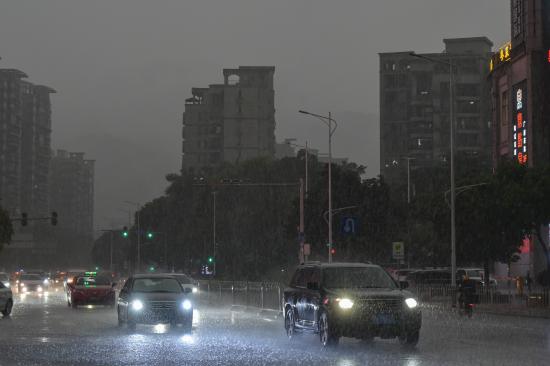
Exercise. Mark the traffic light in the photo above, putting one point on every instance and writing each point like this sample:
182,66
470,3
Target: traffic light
150,235
24,219
124,232
332,251
151,269
210,259
53,219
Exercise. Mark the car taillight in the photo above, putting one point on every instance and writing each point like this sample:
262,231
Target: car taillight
326,301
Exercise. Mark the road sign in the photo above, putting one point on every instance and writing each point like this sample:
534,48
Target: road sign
307,249
349,225
398,250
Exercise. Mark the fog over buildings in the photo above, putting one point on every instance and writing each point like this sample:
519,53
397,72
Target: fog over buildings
123,71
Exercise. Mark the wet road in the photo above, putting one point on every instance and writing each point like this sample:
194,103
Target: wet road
44,331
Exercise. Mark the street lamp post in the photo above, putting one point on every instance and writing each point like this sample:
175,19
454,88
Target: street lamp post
214,229
110,231
138,208
328,121
452,158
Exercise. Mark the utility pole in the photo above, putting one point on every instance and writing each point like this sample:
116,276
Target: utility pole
214,228
301,257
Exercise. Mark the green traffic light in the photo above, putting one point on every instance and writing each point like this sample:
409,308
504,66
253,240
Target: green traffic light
152,269
124,234
150,235
210,259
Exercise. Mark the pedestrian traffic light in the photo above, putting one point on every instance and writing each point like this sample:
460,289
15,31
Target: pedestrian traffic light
210,259
150,235
53,218
124,232
24,219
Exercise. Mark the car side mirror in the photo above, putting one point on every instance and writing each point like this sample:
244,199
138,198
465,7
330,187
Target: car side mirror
312,286
187,290
403,285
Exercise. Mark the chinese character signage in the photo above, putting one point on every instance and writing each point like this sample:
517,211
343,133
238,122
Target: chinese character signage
503,55
521,139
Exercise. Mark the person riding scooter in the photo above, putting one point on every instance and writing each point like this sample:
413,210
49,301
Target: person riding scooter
467,297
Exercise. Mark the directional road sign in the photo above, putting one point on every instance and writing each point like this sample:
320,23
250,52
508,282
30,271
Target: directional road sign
349,225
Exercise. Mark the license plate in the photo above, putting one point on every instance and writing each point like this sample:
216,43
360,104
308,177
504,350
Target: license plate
384,319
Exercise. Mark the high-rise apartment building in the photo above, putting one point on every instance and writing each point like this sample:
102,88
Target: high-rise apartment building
230,122
11,116
72,192
415,101
35,148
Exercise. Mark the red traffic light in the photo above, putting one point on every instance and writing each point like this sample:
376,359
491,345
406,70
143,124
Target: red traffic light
332,251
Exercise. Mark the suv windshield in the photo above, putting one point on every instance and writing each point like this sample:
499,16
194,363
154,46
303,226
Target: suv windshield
357,277
156,285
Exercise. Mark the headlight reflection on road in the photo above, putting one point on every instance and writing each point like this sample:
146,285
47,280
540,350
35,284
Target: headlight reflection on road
187,339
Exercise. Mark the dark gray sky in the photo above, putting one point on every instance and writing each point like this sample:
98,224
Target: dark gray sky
122,69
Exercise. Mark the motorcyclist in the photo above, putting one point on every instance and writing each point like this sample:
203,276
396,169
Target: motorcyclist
467,290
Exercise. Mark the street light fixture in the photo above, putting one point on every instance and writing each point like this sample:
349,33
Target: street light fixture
452,158
328,120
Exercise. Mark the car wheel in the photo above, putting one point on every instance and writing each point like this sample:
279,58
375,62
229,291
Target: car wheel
120,321
7,309
326,332
409,339
73,303
188,324
290,324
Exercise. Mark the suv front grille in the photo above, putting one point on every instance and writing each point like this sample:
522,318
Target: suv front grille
381,305
162,305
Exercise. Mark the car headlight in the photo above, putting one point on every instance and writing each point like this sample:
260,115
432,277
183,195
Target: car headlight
46,281
7,284
345,303
186,305
137,305
411,303
195,290
39,289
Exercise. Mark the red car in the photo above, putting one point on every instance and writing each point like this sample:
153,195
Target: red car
91,289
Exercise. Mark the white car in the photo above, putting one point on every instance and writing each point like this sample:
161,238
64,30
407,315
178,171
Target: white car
6,300
5,279
32,283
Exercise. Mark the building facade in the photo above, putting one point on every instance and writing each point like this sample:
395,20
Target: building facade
230,122
11,116
72,192
415,107
520,92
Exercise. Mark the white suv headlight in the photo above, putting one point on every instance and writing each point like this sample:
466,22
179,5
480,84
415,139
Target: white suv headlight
345,303
186,305
411,303
137,305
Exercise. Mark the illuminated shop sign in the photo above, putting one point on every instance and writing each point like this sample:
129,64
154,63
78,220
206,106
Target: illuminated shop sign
520,123
503,54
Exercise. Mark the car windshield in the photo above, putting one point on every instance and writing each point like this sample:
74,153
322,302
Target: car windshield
156,285
93,281
31,277
357,277
4,276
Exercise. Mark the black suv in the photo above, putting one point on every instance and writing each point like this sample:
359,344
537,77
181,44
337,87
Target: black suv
349,300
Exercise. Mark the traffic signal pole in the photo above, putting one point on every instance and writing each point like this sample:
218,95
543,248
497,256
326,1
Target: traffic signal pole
214,229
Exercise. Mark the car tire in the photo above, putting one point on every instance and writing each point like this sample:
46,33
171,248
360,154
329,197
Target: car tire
327,334
73,303
7,309
119,317
410,339
187,325
290,324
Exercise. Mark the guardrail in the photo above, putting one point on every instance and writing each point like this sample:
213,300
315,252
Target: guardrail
268,295
537,297
261,295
